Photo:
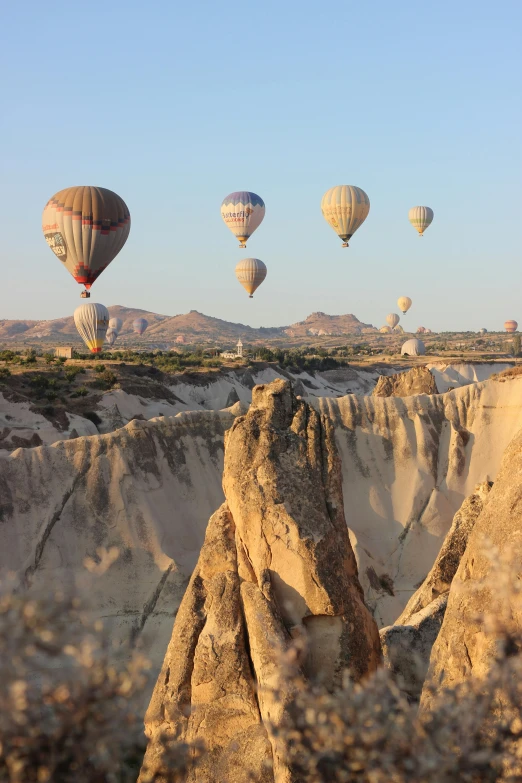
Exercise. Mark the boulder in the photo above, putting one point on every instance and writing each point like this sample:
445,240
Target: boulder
418,380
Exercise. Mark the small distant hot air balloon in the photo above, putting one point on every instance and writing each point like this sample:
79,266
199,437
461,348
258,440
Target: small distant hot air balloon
421,329
111,336
345,208
116,324
414,347
250,272
385,329
243,212
392,319
86,227
511,326
483,331
420,218
404,303
139,325
92,321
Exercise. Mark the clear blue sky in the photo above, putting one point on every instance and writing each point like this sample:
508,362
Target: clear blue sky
173,105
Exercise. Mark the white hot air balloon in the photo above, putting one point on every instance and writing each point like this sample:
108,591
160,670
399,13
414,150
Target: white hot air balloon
92,322
392,319
404,303
413,347
111,336
116,324
345,208
243,212
250,272
420,218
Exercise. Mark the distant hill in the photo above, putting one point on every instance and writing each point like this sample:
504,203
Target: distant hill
166,331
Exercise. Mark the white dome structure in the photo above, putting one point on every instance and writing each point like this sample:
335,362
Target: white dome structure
413,347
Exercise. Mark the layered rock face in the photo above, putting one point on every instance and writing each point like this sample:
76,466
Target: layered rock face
276,565
463,645
407,644
418,380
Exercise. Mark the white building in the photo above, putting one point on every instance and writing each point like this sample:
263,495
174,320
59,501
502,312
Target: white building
237,355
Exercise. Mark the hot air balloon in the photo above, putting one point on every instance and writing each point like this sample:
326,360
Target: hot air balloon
392,319
404,303
420,218
139,325
92,321
250,272
116,324
483,331
385,329
243,212
86,227
511,326
414,347
421,329
111,336
345,208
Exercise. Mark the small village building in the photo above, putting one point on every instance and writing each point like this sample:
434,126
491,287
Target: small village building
231,355
65,352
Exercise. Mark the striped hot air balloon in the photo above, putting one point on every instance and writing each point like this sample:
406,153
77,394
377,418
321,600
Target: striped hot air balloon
250,272
86,227
420,218
345,208
116,324
404,303
392,319
511,326
243,212
92,321
385,329
139,325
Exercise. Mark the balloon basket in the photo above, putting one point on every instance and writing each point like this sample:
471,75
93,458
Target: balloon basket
345,244
85,295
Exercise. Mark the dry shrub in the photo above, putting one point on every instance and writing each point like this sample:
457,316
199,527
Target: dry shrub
67,709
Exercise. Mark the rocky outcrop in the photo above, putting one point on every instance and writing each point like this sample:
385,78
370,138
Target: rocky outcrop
407,644
464,646
418,380
276,565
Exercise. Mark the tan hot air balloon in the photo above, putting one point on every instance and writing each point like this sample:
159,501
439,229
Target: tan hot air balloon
511,326
92,322
420,218
385,329
404,303
86,227
392,319
250,272
345,208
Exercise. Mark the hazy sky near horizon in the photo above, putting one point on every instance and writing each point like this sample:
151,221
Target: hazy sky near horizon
174,105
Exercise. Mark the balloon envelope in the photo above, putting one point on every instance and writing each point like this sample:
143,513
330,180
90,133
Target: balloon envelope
139,325
483,331
92,321
111,336
392,319
420,218
414,347
86,227
243,212
511,326
250,272
345,208
385,329
404,303
116,324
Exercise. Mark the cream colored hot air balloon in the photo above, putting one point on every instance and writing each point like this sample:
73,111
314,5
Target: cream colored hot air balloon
414,347
250,272
404,303
92,322
420,218
243,212
385,329
116,324
345,208
392,319
511,326
111,336
86,227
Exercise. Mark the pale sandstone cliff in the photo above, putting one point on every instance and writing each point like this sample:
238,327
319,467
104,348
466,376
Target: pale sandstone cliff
463,645
276,564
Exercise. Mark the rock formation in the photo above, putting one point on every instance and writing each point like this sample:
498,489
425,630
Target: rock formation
277,564
463,644
407,644
418,380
